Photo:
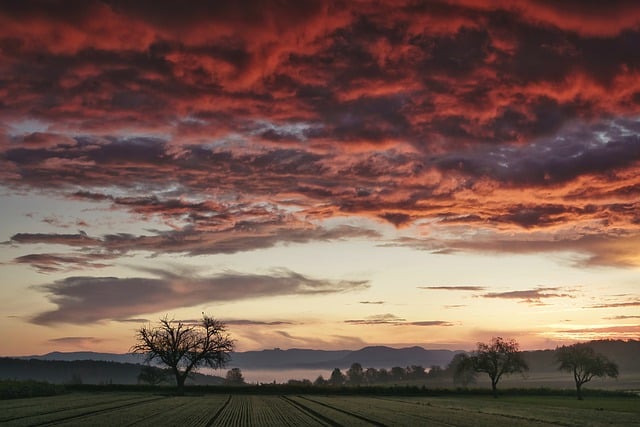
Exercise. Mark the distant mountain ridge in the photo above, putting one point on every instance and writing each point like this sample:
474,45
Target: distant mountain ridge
372,356
105,368
625,353
88,355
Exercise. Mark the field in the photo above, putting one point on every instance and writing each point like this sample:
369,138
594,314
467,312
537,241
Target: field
138,409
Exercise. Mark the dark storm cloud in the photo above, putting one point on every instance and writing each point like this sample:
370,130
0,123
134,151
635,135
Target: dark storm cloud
565,157
92,299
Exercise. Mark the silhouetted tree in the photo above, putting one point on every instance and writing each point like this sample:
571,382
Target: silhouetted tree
500,357
337,377
371,375
183,347
355,374
397,373
320,381
383,375
234,377
583,361
152,375
417,372
462,369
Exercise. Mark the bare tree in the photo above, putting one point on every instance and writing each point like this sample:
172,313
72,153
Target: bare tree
183,346
500,357
584,363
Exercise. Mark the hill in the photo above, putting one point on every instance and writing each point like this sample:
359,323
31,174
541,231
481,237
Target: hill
386,357
624,353
285,359
373,356
81,371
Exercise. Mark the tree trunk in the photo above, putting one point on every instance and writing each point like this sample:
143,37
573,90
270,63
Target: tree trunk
579,390
494,388
180,383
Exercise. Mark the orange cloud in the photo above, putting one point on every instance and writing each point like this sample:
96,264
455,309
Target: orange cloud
268,118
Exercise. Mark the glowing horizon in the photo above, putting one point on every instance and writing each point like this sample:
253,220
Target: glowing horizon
319,174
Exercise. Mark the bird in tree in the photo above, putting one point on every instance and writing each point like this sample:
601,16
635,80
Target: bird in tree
185,346
500,357
584,363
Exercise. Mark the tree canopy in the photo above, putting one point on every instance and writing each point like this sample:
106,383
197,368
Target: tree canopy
498,358
234,377
184,346
585,364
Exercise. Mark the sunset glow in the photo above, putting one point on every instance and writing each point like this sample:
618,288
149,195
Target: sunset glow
320,174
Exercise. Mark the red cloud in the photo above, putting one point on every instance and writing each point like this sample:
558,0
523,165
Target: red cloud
265,118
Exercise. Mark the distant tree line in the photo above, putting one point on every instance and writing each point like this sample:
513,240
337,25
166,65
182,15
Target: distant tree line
498,358
356,375
183,347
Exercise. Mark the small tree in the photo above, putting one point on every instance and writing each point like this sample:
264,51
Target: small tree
383,375
183,347
584,363
355,374
463,371
371,375
320,381
234,377
397,373
417,372
337,377
501,357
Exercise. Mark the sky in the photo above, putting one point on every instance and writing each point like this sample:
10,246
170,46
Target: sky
319,174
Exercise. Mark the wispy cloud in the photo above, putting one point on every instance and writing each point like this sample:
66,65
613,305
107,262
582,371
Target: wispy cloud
241,236
246,322
48,263
392,319
531,296
76,341
622,317
633,302
453,288
596,249
92,299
